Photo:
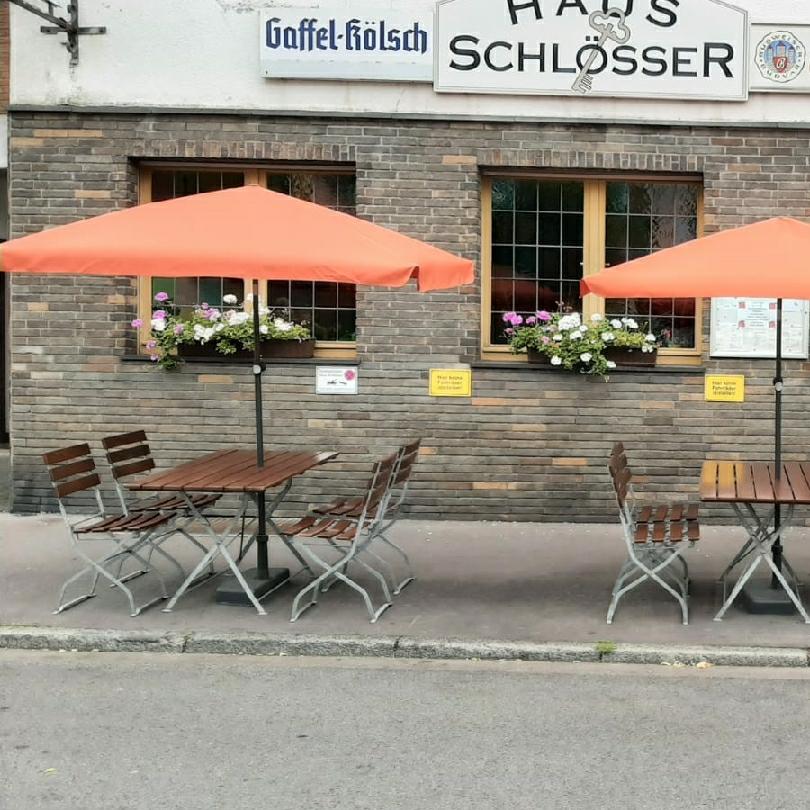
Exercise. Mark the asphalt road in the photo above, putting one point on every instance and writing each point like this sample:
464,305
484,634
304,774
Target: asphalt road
131,731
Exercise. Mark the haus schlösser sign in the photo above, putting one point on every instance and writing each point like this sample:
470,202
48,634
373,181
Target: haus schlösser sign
692,49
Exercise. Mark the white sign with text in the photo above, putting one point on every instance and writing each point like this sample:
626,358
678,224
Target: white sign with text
336,379
346,41
638,48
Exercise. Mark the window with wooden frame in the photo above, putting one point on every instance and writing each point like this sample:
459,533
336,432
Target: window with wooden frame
329,309
543,232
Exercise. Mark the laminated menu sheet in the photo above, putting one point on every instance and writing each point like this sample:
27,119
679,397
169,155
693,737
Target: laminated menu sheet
746,327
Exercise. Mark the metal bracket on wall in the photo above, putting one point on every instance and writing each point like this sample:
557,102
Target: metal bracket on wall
59,25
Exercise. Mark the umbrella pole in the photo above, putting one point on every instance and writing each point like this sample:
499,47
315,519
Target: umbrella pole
262,563
778,385
262,579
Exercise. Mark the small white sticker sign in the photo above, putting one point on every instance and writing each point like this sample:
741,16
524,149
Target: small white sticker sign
336,380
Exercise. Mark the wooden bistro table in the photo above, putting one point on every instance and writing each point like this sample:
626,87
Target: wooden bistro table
758,497
231,472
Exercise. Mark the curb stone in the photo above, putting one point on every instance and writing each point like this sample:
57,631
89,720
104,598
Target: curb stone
78,640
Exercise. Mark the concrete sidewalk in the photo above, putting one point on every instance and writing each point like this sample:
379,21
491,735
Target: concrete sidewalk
498,582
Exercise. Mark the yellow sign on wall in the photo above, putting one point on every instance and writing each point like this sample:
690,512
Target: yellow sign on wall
450,382
725,388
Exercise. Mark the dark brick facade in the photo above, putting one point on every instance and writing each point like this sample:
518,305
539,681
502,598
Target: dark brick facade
529,445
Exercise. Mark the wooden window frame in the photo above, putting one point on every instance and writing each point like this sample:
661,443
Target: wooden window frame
255,174
595,204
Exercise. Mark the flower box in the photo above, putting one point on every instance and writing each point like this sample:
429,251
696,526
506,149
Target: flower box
288,349
630,357
538,358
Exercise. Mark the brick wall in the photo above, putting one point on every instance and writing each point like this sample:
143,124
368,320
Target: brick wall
529,445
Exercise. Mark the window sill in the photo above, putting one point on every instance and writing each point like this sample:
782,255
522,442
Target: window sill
269,361
527,367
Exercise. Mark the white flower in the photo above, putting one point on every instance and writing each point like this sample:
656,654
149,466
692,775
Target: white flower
650,338
611,364
597,318
556,361
237,318
616,323
158,324
583,330
586,357
208,333
631,324
608,336
263,329
558,337
647,348
575,335
219,327
282,325
263,310
229,299
568,322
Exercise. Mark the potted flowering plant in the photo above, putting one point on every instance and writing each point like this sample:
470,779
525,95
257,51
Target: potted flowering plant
562,340
210,331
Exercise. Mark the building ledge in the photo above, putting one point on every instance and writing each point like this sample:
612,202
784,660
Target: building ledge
268,361
542,369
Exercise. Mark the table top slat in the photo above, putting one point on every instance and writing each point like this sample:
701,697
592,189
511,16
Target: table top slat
745,482
726,481
763,485
233,471
708,481
798,482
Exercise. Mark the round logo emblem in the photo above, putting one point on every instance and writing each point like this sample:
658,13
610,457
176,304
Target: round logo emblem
781,56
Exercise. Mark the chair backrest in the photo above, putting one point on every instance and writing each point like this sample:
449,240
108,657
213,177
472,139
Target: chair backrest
407,457
379,489
72,470
622,478
128,454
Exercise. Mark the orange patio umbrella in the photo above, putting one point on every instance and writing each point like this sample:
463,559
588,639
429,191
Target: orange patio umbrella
247,232
769,259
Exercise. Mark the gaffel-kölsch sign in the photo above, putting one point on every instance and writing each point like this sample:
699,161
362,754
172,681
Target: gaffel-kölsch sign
685,49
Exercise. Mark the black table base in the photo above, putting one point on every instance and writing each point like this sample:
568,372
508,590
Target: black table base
230,592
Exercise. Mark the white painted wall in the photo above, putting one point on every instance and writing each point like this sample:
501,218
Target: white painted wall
204,54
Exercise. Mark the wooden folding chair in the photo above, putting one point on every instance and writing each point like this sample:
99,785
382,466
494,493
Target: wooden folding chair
349,536
135,536
655,537
350,508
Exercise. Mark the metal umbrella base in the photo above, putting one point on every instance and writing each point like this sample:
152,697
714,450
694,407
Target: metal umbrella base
762,599
261,584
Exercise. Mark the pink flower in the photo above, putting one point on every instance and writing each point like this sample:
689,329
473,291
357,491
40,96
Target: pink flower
152,344
137,323
204,306
542,315
546,341
531,320
179,328
507,316
154,358
159,314
517,320
161,297
212,314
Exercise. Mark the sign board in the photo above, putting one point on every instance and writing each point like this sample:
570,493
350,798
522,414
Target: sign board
346,41
725,388
644,49
780,58
746,327
450,382
335,379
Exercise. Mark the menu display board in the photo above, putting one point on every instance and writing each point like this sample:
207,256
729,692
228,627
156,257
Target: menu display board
746,327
